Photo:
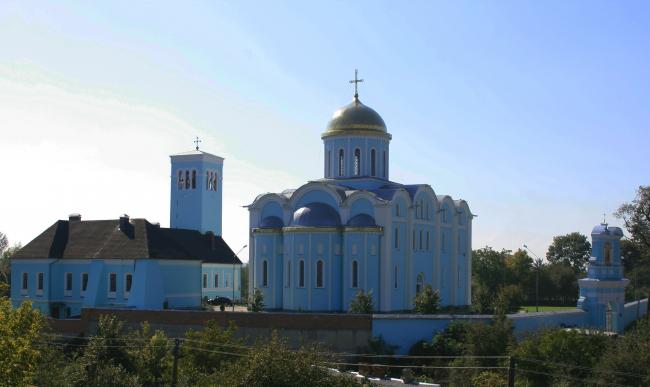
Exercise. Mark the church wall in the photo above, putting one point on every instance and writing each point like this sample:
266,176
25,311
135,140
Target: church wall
398,260
31,267
268,248
461,293
319,250
181,283
359,248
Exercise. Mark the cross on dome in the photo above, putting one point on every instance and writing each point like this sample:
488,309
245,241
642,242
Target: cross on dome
196,142
356,81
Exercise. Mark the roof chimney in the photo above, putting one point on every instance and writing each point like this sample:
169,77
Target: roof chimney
124,222
74,217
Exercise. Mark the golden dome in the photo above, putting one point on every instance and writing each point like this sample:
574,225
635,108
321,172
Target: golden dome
356,118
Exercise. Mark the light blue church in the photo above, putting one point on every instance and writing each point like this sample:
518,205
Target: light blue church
133,263
313,248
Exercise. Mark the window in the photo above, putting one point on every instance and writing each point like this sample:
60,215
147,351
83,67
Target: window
397,237
396,276
355,274
288,283
413,239
215,182
384,162
357,162
420,283
372,163
341,162
205,281
301,269
420,240
180,179
329,163
227,280
112,285
265,273
84,283
23,289
68,284
187,179
216,280
193,179
207,180
608,253
128,281
319,274
39,284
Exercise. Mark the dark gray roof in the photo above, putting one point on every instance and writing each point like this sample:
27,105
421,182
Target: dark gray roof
104,239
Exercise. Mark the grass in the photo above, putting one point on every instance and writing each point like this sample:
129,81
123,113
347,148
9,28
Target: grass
546,308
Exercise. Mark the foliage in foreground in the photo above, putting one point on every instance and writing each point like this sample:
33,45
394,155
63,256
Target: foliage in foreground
362,303
427,301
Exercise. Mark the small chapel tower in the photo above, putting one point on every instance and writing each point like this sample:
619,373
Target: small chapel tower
196,191
602,293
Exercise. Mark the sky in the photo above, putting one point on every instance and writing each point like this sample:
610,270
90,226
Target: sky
536,113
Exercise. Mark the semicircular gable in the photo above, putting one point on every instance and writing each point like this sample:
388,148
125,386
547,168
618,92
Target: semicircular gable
262,200
272,208
426,198
463,211
447,209
315,193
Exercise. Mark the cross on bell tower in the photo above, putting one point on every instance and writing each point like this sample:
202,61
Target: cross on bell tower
196,142
356,81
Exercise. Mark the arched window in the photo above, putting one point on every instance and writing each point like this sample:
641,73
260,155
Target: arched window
301,280
397,237
396,276
357,162
288,274
180,179
265,273
193,179
419,286
341,162
329,163
187,179
355,274
319,274
372,163
216,280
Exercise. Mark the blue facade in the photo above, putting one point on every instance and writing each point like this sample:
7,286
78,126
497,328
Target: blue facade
315,247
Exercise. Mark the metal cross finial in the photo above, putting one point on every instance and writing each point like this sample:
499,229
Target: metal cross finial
356,82
604,218
197,141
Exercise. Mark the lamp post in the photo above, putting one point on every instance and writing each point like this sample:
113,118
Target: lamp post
233,276
537,264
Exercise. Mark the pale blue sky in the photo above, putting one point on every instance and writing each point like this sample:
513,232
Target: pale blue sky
536,113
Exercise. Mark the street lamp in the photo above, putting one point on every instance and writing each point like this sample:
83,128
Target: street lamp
233,276
537,264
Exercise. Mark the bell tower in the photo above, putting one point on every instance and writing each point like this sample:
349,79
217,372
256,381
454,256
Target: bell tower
196,191
602,293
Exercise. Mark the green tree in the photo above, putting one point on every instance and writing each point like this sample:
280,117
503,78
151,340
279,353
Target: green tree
256,302
206,351
626,362
509,299
573,249
4,242
272,363
362,303
20,332
151,356
636,216
427,301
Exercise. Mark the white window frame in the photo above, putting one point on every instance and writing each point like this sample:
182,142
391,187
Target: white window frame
82,291
24,284
204,281
111,294
67,292
216,280
127,292
39,275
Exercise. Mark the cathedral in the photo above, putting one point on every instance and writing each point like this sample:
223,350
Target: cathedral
313,248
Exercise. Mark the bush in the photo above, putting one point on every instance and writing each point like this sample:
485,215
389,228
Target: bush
256,302
427,301
509,300
362,303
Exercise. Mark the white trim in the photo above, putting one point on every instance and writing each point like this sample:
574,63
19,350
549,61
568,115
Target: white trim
111,294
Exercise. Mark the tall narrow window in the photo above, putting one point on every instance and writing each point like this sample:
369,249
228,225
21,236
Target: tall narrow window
319,274
420,283
216,280
128,281
227,280
372,163
112,284
193,179
413,239
215,183
384,164
329,163
397,237
205,281
420,241
397,210
207,180
180,179
84,283
608,253
357,162
25,282
68,284
39,284
341,162
355,274
288,274
187,179
301,269
265,273
396,276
